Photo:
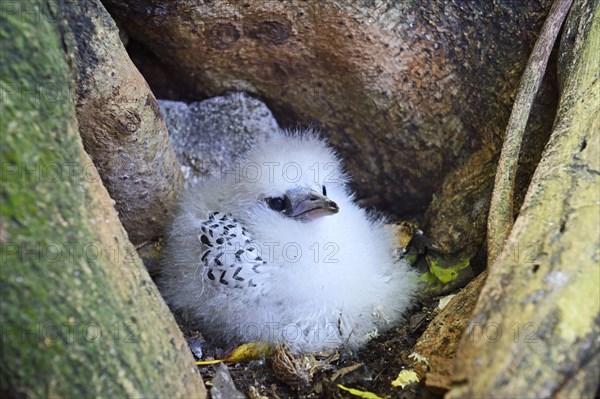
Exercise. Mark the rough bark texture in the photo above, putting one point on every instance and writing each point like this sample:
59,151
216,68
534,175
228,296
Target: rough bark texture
406,91
436,348
121,125
80,316
535,328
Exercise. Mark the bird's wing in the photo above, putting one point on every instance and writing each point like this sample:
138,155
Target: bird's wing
230,257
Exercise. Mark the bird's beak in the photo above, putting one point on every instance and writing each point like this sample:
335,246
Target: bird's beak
314,206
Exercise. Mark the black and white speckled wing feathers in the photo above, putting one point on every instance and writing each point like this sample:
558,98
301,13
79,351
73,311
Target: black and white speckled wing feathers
212,260
229,257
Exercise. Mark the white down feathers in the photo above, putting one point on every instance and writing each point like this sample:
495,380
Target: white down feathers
258,274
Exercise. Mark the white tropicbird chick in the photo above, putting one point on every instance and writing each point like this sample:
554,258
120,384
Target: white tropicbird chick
276,250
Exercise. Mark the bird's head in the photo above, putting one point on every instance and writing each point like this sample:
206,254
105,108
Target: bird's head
303,203
296,175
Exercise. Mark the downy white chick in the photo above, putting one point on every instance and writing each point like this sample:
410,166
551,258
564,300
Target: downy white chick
276,250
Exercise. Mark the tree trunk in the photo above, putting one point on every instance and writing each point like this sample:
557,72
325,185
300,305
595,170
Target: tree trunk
534,331
80,316
120,123
436,347
407,92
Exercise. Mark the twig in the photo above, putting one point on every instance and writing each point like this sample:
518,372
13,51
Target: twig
500,219
342,372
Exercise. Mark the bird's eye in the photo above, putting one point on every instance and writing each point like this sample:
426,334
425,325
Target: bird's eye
324,191
277,203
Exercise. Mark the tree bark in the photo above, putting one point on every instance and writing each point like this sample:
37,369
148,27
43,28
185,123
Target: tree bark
500,218
407,92
120,123
436,347
80,316
534,331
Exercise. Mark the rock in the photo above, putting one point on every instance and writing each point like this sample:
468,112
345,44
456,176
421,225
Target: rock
223,386
209,136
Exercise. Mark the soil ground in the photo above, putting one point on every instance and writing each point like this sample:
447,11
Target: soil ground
382,359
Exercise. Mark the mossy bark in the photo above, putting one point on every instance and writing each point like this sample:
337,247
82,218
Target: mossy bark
534,332
80,316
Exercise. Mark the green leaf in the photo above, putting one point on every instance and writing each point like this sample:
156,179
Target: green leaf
359,393
446,273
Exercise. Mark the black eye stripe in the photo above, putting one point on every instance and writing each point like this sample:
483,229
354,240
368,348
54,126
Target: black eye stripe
277,203
324,191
